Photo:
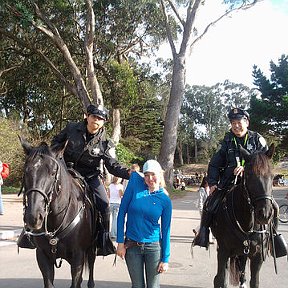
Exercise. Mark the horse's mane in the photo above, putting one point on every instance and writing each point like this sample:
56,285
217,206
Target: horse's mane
42,149
261,164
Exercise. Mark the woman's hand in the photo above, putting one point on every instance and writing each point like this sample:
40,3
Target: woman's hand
121,250
162,267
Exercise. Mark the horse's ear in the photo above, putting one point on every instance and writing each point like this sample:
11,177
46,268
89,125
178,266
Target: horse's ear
59,149
270,151
245,153
27,147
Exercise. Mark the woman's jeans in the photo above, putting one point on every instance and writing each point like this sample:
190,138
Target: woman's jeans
114,209
144,256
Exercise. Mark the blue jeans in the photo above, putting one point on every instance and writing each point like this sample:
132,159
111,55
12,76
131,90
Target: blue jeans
114,209
146,256
1,202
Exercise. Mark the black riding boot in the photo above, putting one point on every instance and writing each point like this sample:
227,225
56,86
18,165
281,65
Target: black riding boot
202,237
25,241
104,243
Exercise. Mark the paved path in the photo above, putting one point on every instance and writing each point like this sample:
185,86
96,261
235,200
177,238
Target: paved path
20,270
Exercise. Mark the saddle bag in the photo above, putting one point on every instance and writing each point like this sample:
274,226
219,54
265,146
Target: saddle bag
280,246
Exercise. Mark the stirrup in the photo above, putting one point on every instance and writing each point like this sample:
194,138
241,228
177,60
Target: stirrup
105,245
202,238
25,241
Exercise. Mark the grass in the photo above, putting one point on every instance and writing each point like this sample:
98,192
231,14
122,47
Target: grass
9,190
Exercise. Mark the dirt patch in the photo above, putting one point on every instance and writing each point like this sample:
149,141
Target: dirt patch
191,169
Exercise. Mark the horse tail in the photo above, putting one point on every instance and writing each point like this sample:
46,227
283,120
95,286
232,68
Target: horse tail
235,270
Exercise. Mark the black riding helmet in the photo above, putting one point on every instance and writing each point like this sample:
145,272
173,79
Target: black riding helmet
98,110
237,114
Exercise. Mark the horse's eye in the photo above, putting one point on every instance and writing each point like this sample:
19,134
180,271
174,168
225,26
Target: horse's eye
53,173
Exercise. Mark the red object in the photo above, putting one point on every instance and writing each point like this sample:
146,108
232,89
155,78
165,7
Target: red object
5,171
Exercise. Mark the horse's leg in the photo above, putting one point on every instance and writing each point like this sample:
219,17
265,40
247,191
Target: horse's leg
242,265
46,266
255,266
77,266
91,261
220,280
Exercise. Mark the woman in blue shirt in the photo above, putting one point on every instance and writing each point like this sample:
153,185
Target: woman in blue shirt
147,242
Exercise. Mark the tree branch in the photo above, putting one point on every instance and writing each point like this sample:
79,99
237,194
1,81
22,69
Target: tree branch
28,45
243,6
8,69
88,45
176,13
168,30
56,38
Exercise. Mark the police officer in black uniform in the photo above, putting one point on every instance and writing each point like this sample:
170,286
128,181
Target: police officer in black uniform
226,164
87,147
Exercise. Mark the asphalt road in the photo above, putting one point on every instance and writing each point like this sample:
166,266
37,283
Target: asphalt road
21,270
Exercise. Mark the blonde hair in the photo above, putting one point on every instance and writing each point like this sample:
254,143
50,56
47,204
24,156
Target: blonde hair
135,167
115,180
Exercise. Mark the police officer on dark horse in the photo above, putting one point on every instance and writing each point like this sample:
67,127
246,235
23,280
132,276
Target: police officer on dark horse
226,165
86,147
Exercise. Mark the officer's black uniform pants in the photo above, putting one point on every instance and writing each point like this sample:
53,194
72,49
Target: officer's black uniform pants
100,196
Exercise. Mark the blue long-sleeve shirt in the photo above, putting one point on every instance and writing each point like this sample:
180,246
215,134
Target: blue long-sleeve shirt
143,211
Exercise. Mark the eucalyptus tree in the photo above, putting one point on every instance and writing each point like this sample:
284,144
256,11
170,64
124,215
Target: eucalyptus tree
189,33
269,110
88,45
207,108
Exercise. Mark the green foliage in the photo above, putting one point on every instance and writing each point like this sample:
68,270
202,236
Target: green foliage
121,85
126,156
11,151
269,109
204,114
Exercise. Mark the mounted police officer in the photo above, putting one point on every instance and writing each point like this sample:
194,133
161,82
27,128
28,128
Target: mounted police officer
87,147
226,164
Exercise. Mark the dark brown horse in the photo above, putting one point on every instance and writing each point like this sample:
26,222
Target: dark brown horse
57,215
241,223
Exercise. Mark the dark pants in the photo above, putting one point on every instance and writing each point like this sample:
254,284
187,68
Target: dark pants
100,196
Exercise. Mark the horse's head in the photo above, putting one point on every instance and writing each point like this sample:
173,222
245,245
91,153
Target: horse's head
40,182
258,179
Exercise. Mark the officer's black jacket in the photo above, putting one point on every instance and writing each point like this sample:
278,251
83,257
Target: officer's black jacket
223,163
85,156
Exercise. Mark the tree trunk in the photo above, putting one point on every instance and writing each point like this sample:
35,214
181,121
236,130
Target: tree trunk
169,140
188,153
116,133
180,152
196,150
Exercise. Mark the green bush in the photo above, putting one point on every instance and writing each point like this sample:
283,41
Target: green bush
126,156
11,151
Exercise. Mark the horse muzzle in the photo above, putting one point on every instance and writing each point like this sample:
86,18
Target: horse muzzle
34,220
263,212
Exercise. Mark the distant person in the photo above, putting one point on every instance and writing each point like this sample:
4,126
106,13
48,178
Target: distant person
115,194
204,192
1,183
146,247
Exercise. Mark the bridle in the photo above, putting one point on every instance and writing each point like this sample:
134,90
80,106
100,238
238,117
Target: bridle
58,233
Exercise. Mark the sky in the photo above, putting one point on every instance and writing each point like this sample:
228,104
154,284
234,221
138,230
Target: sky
231,47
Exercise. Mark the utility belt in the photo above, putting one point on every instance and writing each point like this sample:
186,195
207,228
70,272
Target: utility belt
128,243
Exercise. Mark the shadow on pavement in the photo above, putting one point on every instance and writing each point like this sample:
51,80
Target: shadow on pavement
64,283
